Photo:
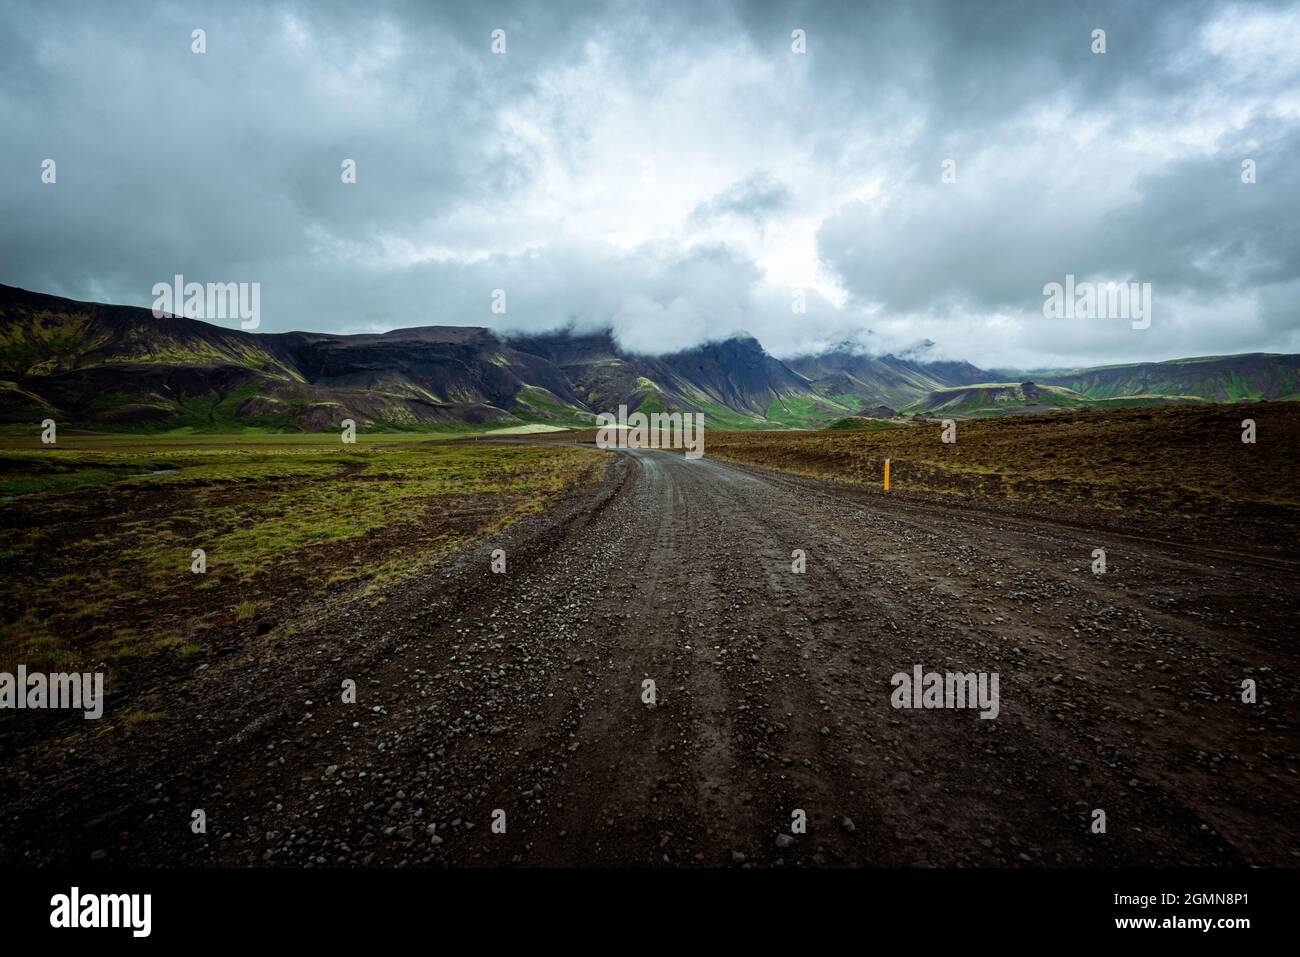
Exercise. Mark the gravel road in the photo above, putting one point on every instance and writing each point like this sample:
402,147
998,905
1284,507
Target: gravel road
523,692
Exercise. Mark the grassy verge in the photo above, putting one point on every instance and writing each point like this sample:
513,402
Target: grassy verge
100,532
1187,460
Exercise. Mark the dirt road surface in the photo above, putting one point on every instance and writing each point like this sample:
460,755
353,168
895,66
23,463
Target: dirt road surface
523,692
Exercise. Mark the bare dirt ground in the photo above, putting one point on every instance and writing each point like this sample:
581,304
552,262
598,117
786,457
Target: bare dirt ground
523,692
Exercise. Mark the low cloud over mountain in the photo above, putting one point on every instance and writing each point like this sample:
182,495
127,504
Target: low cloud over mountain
674,172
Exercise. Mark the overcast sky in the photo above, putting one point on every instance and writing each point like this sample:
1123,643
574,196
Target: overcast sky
673,171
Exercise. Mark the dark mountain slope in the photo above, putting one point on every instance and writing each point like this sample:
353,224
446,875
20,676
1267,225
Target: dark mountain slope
118,367
1250,376
863,381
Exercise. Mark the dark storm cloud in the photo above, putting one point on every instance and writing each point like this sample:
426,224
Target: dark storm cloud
673,169
229,161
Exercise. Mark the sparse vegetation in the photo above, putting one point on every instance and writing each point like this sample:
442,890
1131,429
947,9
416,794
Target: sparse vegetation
1183,460
99,531
851,422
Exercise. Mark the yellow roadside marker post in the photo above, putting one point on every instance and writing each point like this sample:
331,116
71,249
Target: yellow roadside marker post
886,475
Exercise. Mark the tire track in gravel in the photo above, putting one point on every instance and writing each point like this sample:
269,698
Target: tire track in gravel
1188,815
522,692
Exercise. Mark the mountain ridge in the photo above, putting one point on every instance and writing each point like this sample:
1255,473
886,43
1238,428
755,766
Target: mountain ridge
104,366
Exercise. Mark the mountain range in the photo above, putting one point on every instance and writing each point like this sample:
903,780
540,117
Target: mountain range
106,367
